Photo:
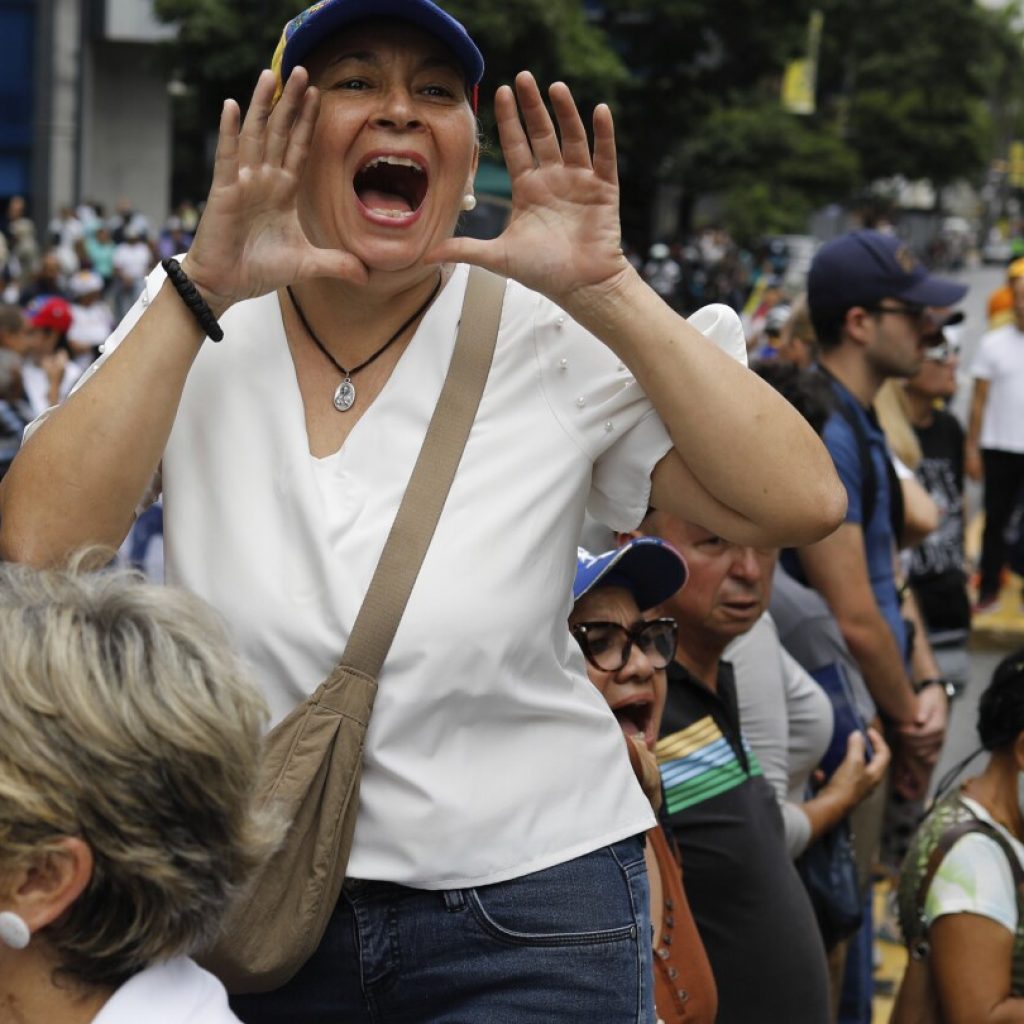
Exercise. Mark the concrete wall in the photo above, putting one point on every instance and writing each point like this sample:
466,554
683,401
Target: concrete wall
56,125
134,21
126,144
103,119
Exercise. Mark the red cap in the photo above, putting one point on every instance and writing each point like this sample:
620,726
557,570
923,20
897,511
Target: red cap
49,311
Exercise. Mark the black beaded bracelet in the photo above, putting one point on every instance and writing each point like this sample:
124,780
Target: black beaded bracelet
191,297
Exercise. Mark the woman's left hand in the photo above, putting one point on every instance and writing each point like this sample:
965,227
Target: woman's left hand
563,237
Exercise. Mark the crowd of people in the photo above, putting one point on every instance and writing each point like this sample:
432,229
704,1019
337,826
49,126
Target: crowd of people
61,296
647,779
709,266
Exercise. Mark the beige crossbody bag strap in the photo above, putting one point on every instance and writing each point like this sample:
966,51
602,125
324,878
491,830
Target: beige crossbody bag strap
313,759
432,477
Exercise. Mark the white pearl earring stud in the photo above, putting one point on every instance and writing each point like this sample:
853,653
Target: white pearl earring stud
13,930
469,202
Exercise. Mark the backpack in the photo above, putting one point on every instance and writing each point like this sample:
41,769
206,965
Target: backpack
948,821
869,480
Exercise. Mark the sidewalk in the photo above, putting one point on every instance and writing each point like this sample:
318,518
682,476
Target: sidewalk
891,961
1002,626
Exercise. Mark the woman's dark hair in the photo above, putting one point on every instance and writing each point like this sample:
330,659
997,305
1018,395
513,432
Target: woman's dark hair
1001,708
808,392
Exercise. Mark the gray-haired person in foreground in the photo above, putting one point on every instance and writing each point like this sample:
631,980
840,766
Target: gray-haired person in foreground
129,743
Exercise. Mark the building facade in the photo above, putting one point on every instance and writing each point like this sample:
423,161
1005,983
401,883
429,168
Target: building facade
85,112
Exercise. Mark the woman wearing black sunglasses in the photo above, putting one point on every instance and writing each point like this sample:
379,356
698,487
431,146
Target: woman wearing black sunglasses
626,656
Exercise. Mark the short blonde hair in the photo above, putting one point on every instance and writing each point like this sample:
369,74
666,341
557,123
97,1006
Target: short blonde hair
127,721
798,325
893,410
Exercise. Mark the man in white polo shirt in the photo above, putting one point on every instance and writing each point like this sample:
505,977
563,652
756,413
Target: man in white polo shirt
995,437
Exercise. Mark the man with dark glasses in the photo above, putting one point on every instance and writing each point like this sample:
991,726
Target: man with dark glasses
869,299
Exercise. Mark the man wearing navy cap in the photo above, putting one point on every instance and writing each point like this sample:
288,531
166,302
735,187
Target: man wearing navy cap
870,302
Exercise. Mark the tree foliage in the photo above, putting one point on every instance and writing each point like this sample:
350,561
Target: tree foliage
772,169
907,83
918,88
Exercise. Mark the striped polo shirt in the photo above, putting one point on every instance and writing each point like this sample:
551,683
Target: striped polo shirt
698,763
751,908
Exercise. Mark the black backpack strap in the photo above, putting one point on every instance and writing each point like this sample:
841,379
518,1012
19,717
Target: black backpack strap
869,478
868,482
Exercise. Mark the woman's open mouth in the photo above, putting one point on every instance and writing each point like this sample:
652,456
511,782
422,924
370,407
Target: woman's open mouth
391,187
635,716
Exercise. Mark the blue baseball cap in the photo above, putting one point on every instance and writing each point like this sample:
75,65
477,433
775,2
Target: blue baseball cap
862,267
647,566
310,28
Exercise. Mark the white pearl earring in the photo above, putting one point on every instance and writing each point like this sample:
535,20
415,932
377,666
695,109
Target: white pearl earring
13,930
469,202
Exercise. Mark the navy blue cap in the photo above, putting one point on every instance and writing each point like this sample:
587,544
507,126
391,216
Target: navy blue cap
862,267
307,30
649,567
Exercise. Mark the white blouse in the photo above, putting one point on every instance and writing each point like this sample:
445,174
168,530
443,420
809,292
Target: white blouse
176,992
489,754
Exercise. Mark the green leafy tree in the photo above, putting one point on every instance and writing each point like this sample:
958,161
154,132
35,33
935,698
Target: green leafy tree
908,84
689,60
772,169
920,88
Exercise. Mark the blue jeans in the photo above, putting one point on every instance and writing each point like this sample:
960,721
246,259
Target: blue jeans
570,943
858,987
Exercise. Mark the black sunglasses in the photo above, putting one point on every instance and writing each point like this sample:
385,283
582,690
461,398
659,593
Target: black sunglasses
916,314
607,645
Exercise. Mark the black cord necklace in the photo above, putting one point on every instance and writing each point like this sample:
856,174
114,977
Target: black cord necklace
345,393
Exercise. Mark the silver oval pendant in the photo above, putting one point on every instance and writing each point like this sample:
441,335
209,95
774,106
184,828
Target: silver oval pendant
345,396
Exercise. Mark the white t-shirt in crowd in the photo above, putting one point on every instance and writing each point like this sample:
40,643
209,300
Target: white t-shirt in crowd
91,325
1000,361
975,877
176,992
489,754
36,384
133,259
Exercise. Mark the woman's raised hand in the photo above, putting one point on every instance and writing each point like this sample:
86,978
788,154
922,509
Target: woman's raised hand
249,241
563,237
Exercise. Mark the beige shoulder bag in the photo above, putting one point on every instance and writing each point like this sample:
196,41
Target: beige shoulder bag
313,758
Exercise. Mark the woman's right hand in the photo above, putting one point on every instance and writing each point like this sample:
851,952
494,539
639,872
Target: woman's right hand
249,240
855,779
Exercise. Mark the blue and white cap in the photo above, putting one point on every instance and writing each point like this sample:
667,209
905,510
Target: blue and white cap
310,27
647,566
